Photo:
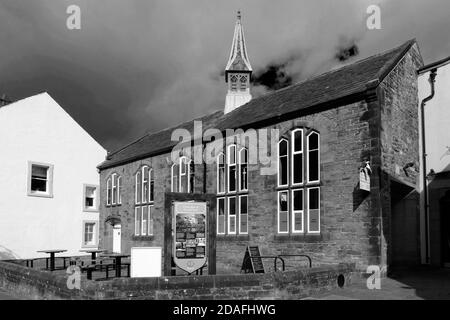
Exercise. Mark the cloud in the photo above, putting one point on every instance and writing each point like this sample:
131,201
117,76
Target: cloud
139,66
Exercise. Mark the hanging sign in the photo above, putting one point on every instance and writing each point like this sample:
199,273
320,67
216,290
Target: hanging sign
189,245
364,177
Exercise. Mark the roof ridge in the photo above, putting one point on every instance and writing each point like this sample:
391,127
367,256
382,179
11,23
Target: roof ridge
148,134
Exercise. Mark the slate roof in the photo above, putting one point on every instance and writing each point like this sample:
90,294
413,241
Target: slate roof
296,99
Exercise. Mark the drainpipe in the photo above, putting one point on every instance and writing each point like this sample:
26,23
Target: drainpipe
426,205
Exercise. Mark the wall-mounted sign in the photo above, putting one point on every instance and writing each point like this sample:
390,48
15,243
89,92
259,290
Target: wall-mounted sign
190,233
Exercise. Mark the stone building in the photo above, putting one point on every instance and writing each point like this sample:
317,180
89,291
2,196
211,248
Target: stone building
332,128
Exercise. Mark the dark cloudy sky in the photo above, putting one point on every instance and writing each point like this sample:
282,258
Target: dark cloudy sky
142,65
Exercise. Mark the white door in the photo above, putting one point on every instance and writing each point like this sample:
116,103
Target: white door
117,231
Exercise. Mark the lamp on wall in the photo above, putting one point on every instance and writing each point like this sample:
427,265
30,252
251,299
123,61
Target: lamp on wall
431,175
406,167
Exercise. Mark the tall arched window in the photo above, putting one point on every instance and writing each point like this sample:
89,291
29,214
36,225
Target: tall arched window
297,195
114,190
183,176
232,191
144,197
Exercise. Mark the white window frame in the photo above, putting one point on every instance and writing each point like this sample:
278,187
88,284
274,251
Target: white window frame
183,172
49,184
119,189
240,168
240,213
308,209
294,212
279,164
172,184
229,216
144,222
145,180
137,187
137,222
151,185
108,192
224,215
150,218
94,236
234,164
278,211
190,188
291,160
114,189
224,174
96,202
318,157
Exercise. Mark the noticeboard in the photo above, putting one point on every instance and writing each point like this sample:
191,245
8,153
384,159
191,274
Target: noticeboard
190,234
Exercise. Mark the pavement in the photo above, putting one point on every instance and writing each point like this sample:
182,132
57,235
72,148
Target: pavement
4,295
413,284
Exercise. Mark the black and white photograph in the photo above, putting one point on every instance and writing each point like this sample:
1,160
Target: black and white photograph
249,151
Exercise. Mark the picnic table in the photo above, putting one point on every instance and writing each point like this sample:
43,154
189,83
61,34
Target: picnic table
117,261
93,253
52,256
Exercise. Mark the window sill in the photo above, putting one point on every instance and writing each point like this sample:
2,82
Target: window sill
90,210
113,205
142,238
232,237
313,237
40,194
89,246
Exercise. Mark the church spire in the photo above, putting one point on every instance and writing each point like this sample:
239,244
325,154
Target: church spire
238,70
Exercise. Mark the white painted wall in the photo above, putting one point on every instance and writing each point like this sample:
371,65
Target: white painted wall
437,119
37,129
437,131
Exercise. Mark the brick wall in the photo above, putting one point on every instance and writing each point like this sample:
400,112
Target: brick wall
34,284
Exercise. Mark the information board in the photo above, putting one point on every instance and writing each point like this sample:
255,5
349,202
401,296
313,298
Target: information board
190,230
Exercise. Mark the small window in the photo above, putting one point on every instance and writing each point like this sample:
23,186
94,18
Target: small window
90,198
191,176
90,234
297,211
231,168
138,183
283,163
40,181
232,215
243,170
108,192
243,215
152,186
313,157
114,188
145,184
297,156
175,181
283,213
137,221
313,210
221,173
243,83
221,215
119,190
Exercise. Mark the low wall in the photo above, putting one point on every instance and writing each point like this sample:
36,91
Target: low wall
35,284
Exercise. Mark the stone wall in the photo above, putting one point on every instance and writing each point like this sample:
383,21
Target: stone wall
34,284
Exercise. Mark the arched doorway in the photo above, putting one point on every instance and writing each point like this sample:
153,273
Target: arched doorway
115,222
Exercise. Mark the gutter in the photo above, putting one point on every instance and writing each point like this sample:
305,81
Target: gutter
426,205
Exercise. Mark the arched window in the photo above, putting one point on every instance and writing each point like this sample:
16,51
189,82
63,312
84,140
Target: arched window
144,197
232,190
243,173
114,190
283,162
221,173
297,195
175,181
108,192
183,176
231,163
